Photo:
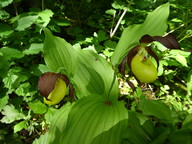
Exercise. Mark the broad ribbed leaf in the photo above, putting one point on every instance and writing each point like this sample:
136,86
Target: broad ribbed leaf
92,120
59,55
154,25
58,124
181,136
155,108
139,130
94,75
187,123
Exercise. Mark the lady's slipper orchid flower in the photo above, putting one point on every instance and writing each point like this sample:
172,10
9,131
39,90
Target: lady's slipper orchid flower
53,87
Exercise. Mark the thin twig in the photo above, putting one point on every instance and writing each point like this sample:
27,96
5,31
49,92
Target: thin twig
114,15
120,19
15,7
43,6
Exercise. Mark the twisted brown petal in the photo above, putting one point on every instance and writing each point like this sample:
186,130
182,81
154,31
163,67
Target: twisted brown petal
146,39
168,41
131,54
153,55
123,66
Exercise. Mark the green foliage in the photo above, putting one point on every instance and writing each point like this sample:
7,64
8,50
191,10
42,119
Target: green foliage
155,108
37,107
59,55
11,114
5,3
101,110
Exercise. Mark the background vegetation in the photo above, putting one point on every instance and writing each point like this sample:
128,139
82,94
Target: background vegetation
86,24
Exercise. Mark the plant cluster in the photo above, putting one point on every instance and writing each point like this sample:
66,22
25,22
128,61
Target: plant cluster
69,76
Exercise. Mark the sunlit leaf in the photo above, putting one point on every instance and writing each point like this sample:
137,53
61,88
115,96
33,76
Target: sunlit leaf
59,55
23,90
11,114
95,75
34,48
4,3
95,120
45,17
25,22
180,56
58,124
110,12
14,77
63,22
91,120
37,107
155,108
20,126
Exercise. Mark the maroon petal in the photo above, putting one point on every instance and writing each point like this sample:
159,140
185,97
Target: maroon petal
71,92
131,54
153,55
123,66
168,41
131,85
146,39
64,78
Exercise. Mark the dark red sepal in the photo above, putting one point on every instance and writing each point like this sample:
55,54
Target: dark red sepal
131,54
146,39
168,41
47,81
153,55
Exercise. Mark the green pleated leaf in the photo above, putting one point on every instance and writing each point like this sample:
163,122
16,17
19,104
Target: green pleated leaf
59,55
41,140
181,136
155,108
92,120
139,130
94,75
58,124
160,134
187,123
154,25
